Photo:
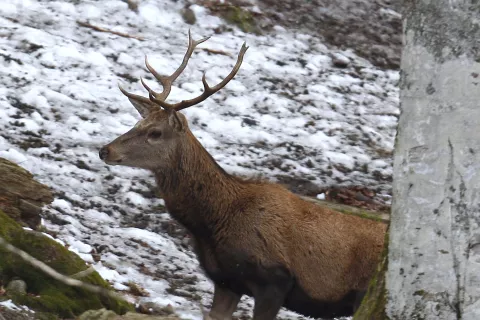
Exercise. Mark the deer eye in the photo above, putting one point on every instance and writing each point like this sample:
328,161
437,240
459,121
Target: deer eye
154,134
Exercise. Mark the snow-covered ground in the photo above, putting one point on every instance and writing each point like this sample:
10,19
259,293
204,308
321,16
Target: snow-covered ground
12,306
288,112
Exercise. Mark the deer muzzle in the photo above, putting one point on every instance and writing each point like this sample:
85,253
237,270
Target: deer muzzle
103,153
108,156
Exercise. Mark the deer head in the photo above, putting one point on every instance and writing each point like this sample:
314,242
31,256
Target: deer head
163,132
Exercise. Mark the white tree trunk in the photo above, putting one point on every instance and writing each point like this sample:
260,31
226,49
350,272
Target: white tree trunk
434,250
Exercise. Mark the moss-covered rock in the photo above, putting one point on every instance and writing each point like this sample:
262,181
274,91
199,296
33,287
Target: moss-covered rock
17,286
104,314
44,293
242,18
21,197
373,304
236,13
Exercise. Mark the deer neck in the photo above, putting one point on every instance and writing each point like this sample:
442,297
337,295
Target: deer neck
197,191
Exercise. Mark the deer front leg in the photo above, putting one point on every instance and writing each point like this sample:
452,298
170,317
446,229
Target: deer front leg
358,300
224,304
268,301
270,296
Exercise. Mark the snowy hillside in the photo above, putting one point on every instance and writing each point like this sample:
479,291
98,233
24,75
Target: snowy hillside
288,112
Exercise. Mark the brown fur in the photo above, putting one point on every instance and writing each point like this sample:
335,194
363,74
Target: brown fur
254,237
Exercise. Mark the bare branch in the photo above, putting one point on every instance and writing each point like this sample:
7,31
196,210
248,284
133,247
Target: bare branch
56,275
97,28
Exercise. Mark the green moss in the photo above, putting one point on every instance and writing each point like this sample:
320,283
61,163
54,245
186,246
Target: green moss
419,293
373,304
44,293
366,214
46,316
362,214
242,18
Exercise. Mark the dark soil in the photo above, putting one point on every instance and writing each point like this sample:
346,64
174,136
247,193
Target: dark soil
371,28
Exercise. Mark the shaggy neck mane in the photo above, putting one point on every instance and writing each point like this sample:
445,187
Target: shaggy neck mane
196,190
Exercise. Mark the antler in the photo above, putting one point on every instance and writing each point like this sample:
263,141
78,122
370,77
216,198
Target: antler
208,91
164,80
159,98
167,81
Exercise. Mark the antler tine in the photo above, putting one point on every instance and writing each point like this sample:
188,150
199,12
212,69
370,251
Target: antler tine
134,96
167,81
151,93
208,91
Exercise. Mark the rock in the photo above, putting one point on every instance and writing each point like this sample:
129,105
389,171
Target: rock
21,197
189,16
340,61
155,309
132,5
17,287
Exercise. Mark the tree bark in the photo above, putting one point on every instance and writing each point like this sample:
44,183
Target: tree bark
373,304
434,249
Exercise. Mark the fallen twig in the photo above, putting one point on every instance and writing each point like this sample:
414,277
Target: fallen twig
56,275
213,51
97,28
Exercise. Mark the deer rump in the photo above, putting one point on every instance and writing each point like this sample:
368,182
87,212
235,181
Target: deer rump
322,256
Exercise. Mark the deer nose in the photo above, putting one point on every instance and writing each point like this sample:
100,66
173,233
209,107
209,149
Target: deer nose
103,153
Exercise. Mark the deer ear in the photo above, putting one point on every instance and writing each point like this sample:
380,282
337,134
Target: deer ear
175,122
144,108
143,105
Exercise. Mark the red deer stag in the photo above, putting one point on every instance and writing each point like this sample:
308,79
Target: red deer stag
251,237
